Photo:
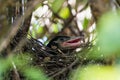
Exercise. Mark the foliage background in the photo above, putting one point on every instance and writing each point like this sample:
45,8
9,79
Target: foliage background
97,20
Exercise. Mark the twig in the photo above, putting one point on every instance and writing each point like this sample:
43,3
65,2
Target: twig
66,68
16,74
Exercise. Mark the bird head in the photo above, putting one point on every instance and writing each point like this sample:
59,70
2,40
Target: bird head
65,43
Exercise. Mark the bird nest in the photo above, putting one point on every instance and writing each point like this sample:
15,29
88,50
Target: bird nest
55,63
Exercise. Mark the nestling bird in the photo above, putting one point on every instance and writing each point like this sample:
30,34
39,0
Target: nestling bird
65,43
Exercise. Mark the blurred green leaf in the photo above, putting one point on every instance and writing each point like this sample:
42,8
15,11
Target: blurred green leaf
5,64
97,72
55,28
33,34
35,74
22,60
64,13
109,34
56,5
39,29
85,23
23,63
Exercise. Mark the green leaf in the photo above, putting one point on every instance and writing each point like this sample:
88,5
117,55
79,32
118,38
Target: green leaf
35,74
64,13
33,34
85,23
55,28
56,5
22,59
5,65
97,72
40,29
109,34
23,63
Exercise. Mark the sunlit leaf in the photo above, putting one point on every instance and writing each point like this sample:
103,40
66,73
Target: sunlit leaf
97,72
40,29
33,34
64,13
56,5
55,28
85,23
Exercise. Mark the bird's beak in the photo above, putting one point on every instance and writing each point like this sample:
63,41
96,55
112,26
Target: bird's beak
72,43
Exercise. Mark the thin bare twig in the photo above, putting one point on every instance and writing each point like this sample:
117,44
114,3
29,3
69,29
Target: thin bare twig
66,68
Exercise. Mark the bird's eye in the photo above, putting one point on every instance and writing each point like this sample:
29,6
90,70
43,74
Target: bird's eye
62,39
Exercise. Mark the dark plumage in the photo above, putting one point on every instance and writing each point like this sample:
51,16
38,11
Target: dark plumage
64,43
